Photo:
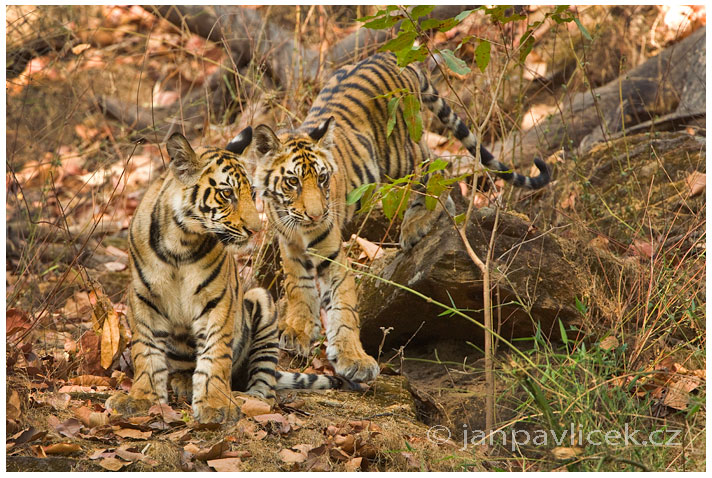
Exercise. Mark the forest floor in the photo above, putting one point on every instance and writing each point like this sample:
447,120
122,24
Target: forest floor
74,178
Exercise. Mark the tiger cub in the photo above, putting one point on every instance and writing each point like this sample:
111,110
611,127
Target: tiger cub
192,325
306,173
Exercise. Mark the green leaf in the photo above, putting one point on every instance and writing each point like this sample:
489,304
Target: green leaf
581,306
462,15
460,218
556,15
384,22
430,23
434,189
482,55
498,14
564,338
421,11
454,63
447,24
560,9
411,114
355,194
392,110
407,56
403,40
368,198
584,32
437,165
526,45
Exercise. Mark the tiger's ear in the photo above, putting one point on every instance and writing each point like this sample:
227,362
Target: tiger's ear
265,140
185,164
324,133
239,143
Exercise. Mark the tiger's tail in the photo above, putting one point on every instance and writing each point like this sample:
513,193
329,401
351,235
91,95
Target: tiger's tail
310,381
447,116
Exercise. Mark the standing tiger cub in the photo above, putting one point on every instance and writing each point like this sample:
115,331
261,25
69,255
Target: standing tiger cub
193,327
305,175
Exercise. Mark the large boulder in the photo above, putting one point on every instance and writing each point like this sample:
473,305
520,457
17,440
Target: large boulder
534,285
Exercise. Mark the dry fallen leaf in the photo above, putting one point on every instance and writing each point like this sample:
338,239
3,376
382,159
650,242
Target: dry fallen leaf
69,428
338,454
291,456
353,464
100,453
368,425
110,338
212,453
254,406
116,252
61,449
112,464
569,202
678,392
78,49
165,411
345,442
696,182
565,453
371,250
16,321
115,266
132,433
226,464
77,305
57,401
13,407
609,343
25,436
131,456
281,423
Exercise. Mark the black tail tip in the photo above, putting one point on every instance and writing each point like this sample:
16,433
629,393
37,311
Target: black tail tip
544,175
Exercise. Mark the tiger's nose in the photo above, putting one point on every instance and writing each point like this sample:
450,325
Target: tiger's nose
315,217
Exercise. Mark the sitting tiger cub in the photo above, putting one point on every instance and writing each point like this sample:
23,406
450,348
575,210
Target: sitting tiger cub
306,174
192,326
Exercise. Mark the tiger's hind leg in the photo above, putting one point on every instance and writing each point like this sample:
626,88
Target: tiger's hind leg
419,220
262,358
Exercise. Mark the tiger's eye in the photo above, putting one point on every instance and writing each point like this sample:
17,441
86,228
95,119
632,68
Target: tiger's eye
322,177
226,193
292,181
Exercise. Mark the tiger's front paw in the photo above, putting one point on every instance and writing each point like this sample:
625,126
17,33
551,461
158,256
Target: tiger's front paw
214,411
353,363
297,335
127,405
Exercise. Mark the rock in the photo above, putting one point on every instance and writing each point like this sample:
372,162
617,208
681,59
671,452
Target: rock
537,285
